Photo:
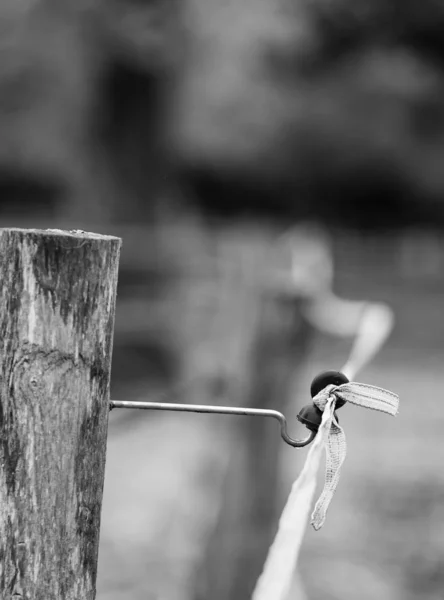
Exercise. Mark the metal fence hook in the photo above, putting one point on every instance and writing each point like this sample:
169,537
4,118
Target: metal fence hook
221,410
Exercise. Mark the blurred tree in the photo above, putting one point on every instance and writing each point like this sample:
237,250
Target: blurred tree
292,108
326,109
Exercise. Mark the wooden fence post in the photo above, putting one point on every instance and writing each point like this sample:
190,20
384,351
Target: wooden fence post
57,304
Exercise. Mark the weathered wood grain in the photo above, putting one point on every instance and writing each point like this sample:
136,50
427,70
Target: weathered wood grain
57,304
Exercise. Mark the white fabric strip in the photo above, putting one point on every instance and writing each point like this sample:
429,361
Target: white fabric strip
360,394
368,396
283,553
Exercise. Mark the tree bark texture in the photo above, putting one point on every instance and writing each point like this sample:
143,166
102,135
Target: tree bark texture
57,305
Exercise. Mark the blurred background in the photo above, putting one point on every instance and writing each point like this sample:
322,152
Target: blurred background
250,154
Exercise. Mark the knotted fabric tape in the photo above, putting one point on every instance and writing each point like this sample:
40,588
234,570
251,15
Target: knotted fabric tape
275,580
360,394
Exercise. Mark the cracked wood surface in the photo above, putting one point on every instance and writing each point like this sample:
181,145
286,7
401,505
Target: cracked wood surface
57,305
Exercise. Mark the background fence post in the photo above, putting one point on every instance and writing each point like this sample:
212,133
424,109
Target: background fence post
266,345
57,304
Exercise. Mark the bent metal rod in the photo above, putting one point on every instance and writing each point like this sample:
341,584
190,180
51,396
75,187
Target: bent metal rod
221,410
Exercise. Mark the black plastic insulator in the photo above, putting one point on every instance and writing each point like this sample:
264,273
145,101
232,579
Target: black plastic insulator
328,378
310,416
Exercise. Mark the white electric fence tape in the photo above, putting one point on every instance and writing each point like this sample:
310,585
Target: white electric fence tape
276,579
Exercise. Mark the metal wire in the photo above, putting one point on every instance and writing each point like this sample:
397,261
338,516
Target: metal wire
224,410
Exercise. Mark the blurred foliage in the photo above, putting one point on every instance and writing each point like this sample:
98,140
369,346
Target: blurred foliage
332,108
299,108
